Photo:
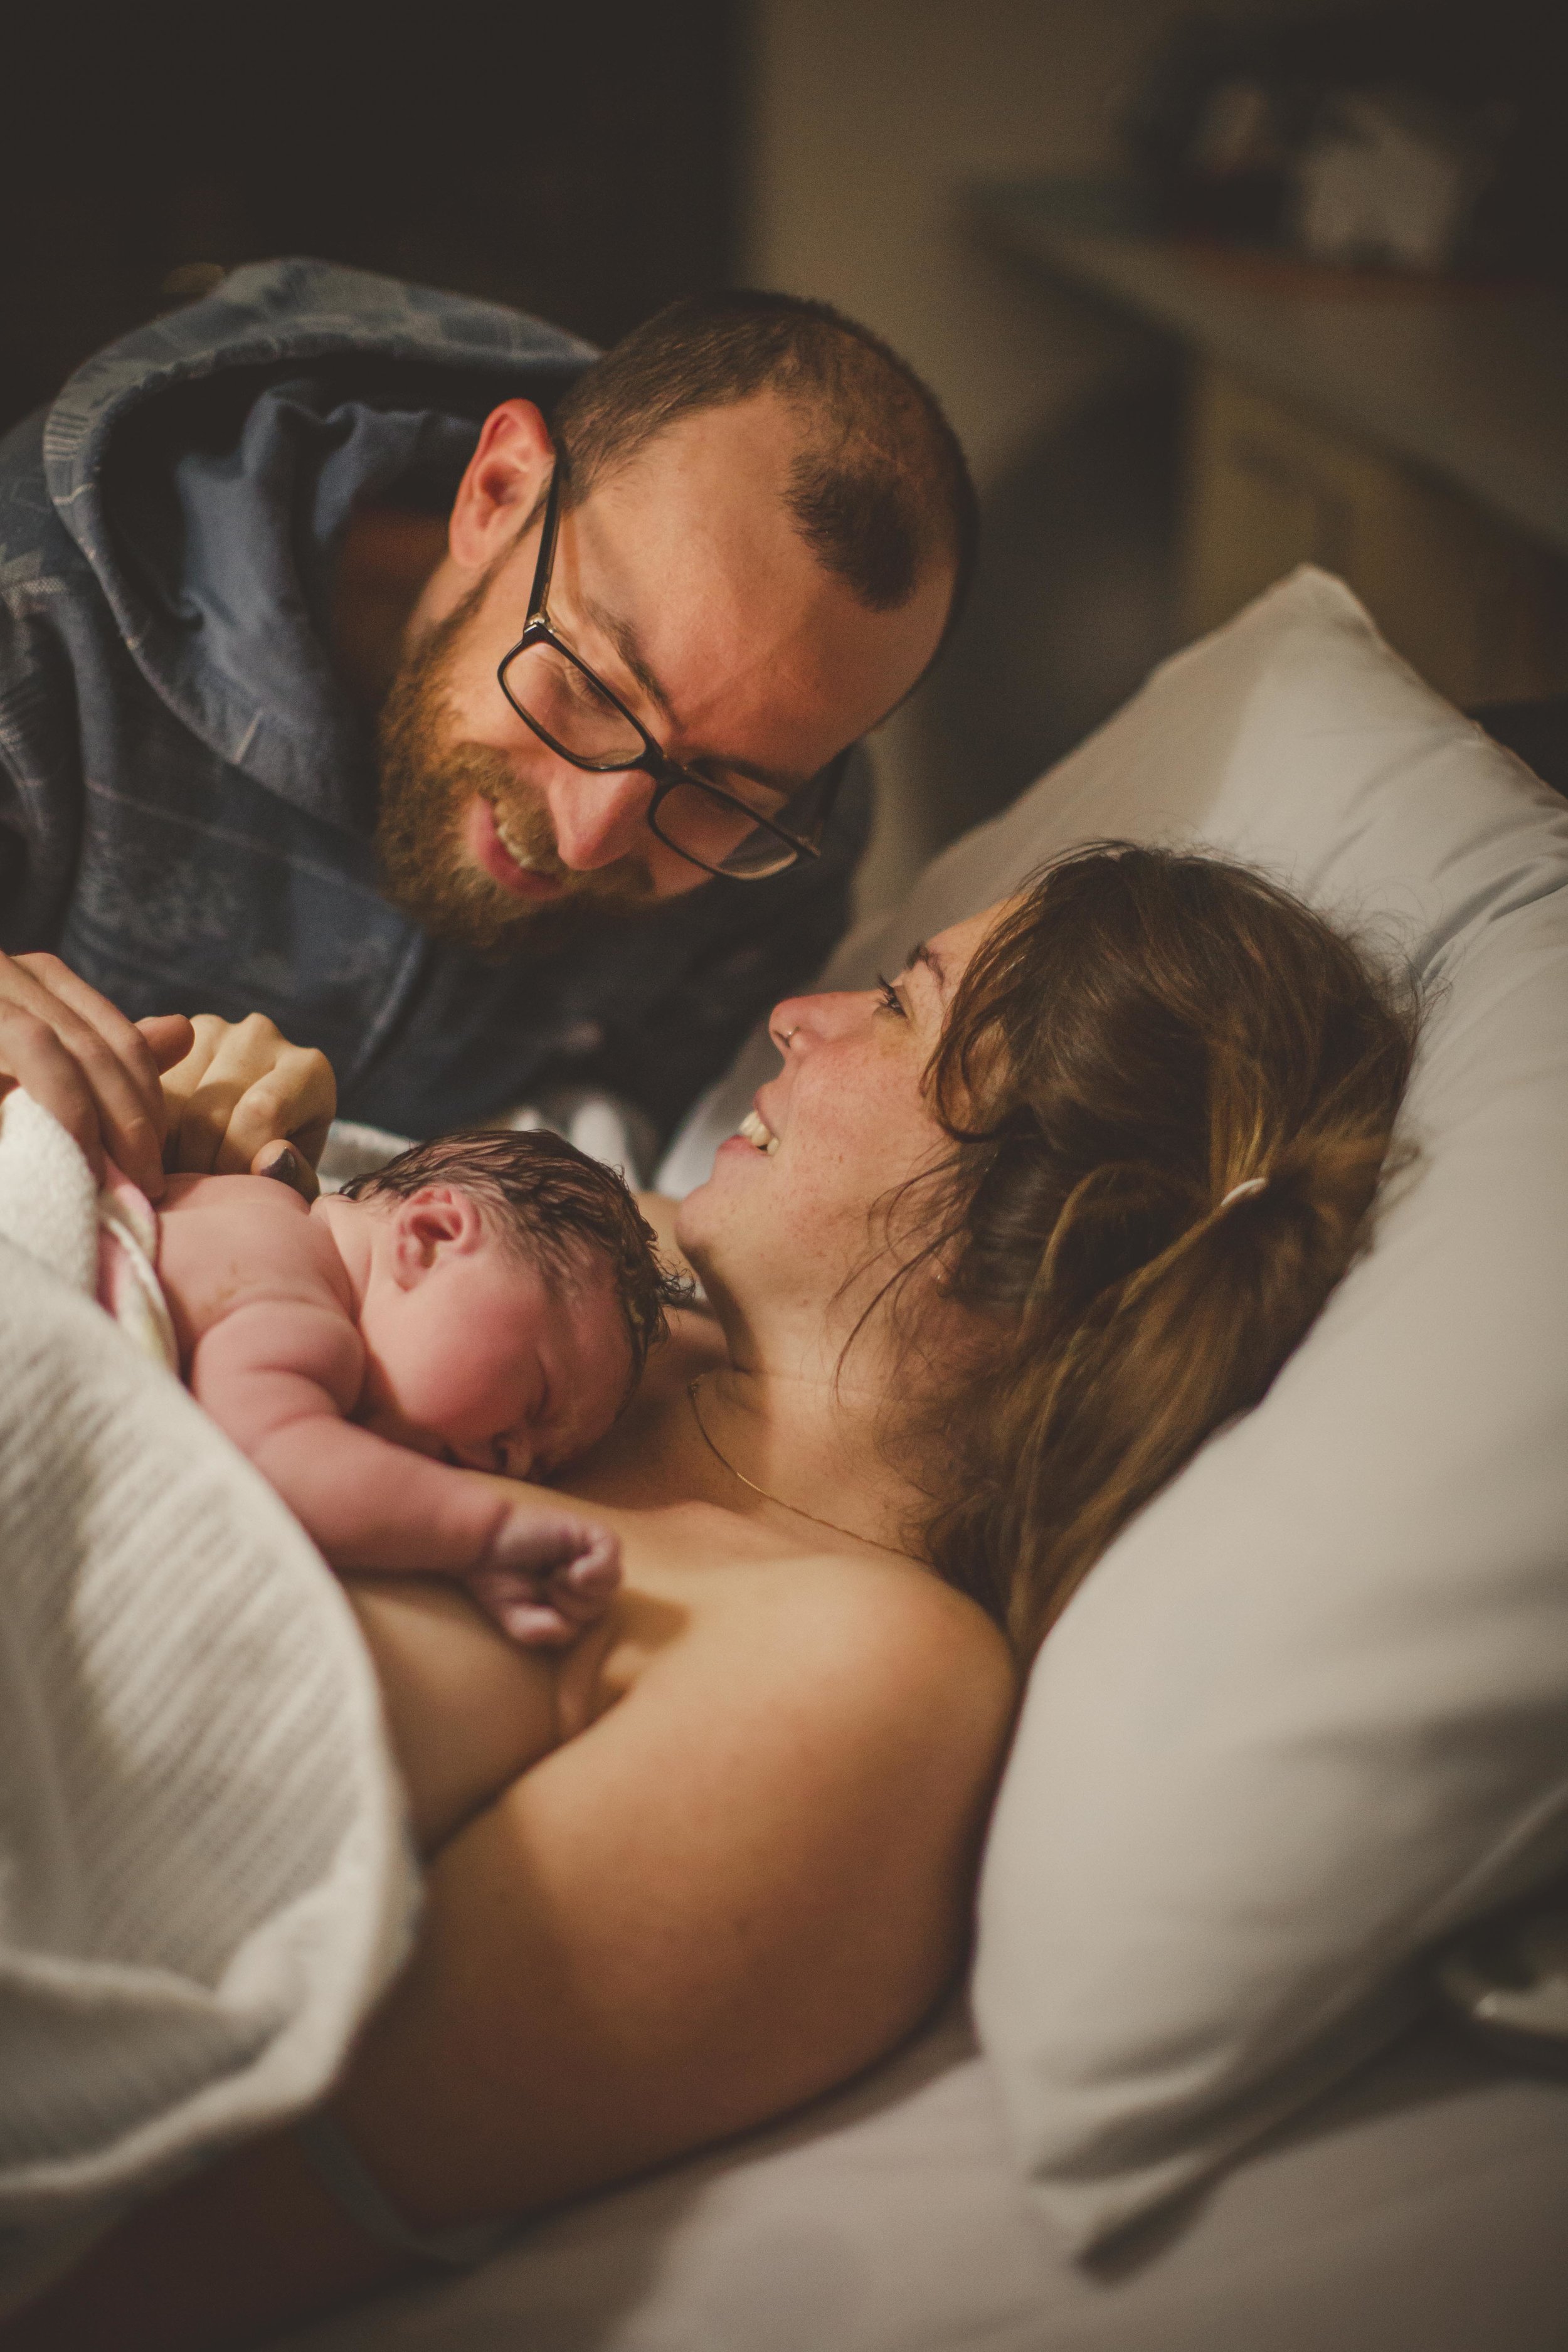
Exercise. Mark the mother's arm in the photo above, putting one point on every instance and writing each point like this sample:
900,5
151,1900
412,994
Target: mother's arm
740,1885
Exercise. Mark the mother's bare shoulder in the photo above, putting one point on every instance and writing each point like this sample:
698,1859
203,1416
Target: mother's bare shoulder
862,1650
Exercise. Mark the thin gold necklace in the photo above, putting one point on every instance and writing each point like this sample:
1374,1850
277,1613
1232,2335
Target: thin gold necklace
750,1484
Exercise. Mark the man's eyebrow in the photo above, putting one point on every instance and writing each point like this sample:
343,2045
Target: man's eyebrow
629,644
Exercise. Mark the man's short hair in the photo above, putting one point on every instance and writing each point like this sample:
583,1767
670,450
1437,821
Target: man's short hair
553,1207
878,487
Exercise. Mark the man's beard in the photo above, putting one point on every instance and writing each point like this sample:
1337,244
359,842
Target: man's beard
427,782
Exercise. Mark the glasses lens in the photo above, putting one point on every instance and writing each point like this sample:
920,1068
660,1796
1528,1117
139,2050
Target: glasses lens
720,835
569,706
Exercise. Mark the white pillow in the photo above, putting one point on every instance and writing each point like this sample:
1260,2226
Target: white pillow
1310,1713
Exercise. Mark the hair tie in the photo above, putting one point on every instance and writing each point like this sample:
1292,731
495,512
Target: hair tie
1239,1191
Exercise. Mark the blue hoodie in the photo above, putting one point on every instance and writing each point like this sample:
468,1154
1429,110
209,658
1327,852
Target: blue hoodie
187,796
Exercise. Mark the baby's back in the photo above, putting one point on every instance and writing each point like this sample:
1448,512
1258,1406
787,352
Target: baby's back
232,1241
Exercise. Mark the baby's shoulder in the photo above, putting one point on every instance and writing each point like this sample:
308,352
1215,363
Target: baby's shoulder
226,1241
247,1197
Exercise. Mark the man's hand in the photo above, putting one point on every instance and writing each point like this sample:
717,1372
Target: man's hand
235,1096
241,1088
96,1071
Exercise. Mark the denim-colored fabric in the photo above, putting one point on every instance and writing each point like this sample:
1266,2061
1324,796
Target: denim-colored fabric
187,798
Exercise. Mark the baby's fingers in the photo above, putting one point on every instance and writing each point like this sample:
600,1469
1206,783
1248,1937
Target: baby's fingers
535,1542
547,1576
583,1588
515,1604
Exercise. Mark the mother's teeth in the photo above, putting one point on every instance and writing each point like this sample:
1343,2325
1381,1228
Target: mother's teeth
757,1132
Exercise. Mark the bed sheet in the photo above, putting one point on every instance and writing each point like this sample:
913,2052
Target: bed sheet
1418,2210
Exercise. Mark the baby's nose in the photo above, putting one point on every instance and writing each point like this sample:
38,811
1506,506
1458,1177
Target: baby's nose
477,1454
513,1454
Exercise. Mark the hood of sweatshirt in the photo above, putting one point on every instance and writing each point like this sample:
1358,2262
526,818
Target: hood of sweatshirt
206,465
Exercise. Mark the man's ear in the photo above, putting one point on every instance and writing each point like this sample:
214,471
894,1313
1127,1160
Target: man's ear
506,477
435,1223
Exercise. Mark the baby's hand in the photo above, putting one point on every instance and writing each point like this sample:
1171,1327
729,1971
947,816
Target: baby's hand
546,1576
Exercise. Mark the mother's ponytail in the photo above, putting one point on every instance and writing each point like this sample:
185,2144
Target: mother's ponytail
1172,1091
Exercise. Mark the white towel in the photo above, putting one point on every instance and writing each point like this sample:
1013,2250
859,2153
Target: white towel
102,1239
48,1201
204,1880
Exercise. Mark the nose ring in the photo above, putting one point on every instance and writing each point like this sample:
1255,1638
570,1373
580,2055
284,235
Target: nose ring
789,1034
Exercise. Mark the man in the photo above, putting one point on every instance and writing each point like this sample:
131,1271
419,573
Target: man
471,706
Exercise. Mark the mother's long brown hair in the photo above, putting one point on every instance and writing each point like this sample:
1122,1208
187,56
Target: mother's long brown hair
1141,1031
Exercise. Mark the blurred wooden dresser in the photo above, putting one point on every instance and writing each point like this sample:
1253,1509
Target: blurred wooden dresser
1478,608
1412,437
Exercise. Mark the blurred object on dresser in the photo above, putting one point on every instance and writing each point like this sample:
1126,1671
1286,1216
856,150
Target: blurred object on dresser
1429,138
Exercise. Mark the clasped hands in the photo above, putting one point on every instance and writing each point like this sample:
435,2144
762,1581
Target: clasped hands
203,1097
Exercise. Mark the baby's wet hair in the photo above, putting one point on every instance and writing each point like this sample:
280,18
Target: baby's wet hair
552,1205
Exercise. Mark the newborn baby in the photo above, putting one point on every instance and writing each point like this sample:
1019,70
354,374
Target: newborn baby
484,1303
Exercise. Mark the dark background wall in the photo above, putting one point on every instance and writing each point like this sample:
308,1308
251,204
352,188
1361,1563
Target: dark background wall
578,161
592,159
868,124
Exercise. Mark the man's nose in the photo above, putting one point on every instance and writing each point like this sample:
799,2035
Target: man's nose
597,819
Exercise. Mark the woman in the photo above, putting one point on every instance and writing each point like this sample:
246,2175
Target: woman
1004,1239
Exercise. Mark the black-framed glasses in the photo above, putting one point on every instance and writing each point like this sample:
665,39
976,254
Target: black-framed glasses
554,692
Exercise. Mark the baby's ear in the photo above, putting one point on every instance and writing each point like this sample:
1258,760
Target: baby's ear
435,1223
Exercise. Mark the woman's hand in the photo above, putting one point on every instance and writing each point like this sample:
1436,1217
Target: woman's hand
240,1091
96,1071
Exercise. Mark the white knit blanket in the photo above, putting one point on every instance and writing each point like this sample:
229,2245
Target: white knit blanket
203,1877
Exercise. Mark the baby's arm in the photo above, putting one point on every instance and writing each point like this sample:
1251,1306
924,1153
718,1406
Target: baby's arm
280,1376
